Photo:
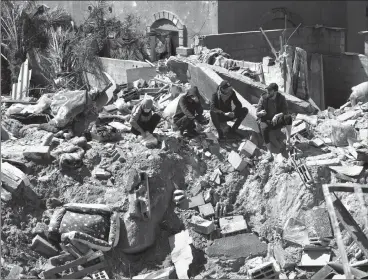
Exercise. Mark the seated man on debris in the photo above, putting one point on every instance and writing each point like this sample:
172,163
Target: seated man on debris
189,113
272,114
143,119
221,110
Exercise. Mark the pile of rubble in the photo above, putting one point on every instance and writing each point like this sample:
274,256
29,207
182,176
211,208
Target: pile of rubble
195,208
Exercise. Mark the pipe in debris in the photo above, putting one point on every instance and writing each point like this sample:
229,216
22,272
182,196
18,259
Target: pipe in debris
293,33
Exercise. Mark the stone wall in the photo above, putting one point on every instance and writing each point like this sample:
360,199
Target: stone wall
252,45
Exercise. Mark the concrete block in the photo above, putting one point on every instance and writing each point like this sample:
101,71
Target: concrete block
348,170
13,179
247,148
15,272
184,51
234,224
101,174
202,225
102,275
207,210
245,245
196,201
325,272
299,129
43,247
236,161
317,142
265,271
318,223
37,152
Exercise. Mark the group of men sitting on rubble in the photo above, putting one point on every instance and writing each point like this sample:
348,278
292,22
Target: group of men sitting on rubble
272,114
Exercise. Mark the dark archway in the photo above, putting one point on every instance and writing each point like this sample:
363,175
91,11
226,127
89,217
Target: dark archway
275,19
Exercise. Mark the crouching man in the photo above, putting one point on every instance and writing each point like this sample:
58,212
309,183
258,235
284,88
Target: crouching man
189,113
272,114
143,119
221,110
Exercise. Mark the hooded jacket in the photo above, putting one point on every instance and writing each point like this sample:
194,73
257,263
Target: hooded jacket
188,108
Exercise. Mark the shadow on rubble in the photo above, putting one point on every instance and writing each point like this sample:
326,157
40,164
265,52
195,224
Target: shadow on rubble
78,174
198,263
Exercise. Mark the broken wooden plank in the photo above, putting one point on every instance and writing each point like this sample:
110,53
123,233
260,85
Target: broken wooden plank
351,226
269,43
346,187
337,232
348,170
323,162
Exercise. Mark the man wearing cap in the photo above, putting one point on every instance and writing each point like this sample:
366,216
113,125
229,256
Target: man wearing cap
272,113
189,113
143,120
221,110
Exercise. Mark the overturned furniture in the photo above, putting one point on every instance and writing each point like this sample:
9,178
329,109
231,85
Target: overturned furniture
94,225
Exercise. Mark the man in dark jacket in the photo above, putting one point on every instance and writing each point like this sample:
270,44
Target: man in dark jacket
272,113
189,113
221,110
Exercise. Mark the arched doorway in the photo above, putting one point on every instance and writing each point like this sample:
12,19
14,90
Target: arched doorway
166,33
275,19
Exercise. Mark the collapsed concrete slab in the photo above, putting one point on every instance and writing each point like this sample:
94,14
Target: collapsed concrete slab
238,246
181,253
252,91
207,82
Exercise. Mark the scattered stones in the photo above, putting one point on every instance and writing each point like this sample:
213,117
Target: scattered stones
201,225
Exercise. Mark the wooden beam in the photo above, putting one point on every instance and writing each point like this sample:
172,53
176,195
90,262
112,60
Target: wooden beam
351,226
269,43
346,187
337,232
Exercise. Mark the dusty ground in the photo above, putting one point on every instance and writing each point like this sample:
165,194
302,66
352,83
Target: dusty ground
267,194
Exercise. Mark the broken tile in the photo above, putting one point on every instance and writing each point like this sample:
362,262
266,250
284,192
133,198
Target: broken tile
206,210
196,201
236,161
247,148
246,245
181,253
202,225
233,224
315,257
348,170
43,247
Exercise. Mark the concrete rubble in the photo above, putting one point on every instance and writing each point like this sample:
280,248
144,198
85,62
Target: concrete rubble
166,207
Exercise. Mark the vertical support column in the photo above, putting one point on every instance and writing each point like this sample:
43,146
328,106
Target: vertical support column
152,45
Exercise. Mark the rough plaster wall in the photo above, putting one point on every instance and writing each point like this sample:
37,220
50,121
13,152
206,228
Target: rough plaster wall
252,46
356,22
341,73
246,15
199,17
